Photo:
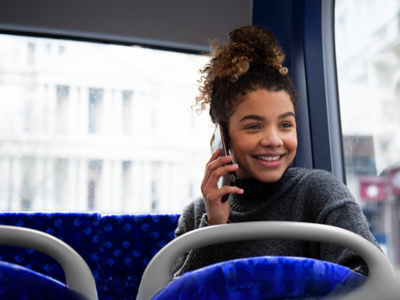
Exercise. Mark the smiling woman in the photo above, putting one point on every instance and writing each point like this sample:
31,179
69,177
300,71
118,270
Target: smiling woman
252,97
263,138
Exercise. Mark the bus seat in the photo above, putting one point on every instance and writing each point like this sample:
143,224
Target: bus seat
382,282
265,277
17,282
79,230
117,248
129,242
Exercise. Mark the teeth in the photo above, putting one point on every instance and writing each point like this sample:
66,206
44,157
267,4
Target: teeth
268,158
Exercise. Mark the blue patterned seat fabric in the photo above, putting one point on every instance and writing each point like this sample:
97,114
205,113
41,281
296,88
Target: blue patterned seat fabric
19,283
128,244
266,277
79,230
117,248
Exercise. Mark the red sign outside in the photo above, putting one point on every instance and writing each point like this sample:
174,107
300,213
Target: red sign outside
394,177
373,189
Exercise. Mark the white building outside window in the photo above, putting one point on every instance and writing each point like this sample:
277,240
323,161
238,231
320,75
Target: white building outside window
87,126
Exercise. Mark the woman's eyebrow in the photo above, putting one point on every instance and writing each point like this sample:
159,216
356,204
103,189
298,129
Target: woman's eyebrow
287,114
253,117
261,118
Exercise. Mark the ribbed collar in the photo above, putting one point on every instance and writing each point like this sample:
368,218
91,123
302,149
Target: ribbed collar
257,193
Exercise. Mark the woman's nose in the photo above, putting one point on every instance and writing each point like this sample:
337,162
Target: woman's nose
271,139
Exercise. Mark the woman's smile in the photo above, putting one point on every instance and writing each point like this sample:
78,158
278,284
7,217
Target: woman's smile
262,134
269,161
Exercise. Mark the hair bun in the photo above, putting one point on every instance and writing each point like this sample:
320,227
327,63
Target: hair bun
250,49
254,44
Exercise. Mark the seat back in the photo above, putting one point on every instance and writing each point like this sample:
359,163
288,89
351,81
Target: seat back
128,244
117,248
79,230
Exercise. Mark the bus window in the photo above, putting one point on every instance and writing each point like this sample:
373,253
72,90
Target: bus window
91,126
368,64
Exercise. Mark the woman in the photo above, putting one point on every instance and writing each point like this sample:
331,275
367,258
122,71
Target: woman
253,99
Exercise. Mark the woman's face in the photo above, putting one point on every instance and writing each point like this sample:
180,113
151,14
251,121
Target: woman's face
263,138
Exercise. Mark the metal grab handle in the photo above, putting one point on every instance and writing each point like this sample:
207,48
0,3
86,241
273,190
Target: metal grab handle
381,284
77,273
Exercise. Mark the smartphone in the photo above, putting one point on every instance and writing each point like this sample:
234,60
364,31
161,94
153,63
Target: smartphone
218,140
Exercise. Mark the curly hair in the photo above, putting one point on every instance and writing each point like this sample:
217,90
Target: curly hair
252,60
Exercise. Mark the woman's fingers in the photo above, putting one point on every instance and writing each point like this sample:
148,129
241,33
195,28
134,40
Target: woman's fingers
216,164
216,161
218,211
216,174
213,194
217,167
218,194
213,164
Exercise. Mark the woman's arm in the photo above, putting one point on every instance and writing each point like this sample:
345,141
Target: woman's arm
330,202
206,211
347,215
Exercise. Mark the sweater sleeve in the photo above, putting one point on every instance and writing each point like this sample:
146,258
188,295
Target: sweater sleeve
343,211
194,217
347,215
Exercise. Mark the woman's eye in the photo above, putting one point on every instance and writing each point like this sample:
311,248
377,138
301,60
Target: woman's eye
286,125
253,127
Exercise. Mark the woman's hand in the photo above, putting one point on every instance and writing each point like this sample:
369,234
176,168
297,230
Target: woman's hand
218,212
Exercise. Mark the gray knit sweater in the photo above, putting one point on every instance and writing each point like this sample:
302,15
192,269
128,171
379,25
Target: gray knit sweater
301,195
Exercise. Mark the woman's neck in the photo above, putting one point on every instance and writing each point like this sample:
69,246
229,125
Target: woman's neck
257,193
